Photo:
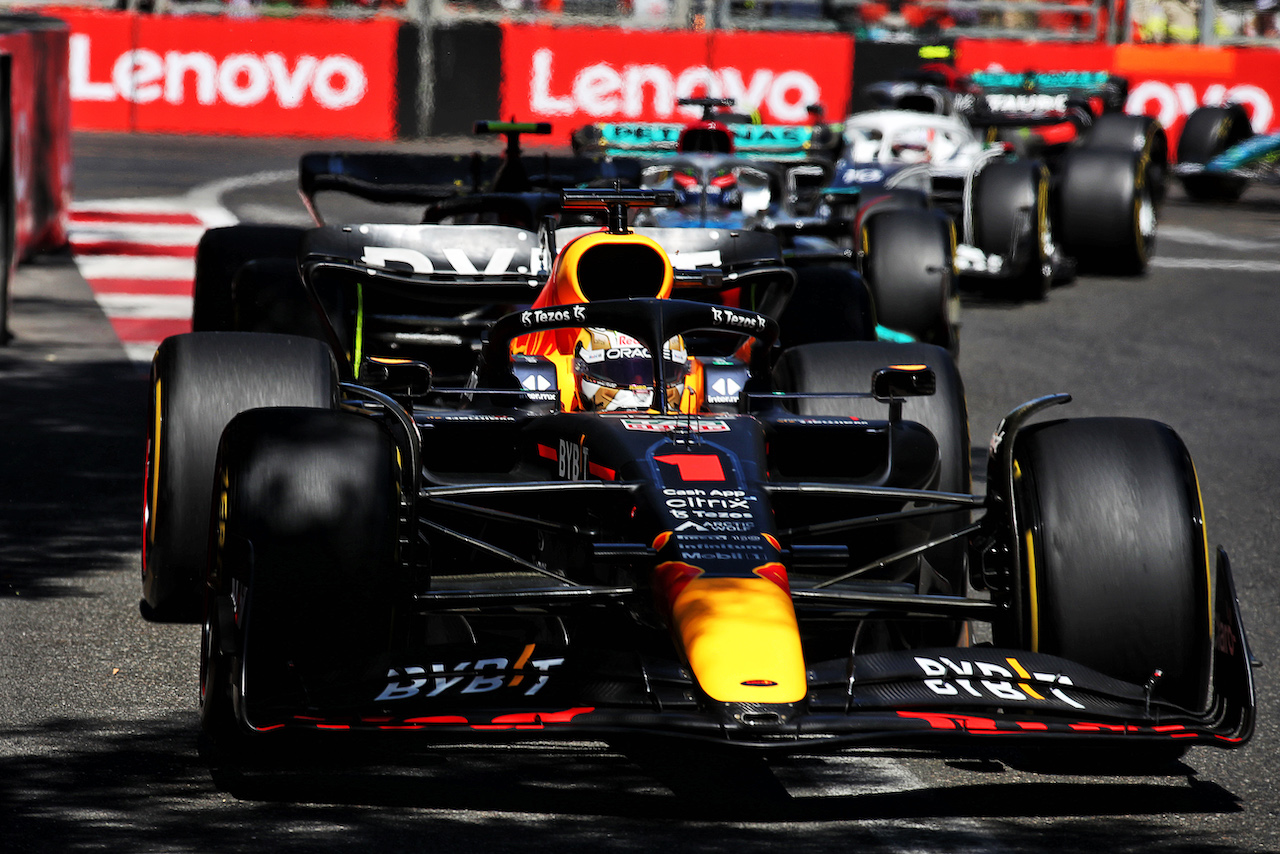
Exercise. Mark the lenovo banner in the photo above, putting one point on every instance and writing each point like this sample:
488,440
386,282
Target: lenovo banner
312,77
575,76
1165,81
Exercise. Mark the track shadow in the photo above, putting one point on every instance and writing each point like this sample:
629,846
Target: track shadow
72,418
75,784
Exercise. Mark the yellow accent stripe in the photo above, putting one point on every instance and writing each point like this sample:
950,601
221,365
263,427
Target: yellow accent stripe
1032,596
355,367
1029,691
1018,668
155,466
1204,535
520,663
1033,599
224,508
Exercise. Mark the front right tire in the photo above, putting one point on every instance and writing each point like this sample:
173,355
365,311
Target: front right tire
1106,211
1115,571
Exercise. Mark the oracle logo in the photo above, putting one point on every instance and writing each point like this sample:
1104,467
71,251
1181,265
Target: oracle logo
335,82
1177,100
602,90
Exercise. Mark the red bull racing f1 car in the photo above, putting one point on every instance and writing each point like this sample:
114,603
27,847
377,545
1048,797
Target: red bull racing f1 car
754,546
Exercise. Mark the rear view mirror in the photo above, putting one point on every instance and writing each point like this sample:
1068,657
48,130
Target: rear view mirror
898,381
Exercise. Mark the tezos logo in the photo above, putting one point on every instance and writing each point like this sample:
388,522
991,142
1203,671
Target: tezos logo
559,315
724,317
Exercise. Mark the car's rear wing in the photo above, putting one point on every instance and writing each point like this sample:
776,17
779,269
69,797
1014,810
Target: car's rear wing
424,292
777,142
442,263
1046,81
409,178
1011,93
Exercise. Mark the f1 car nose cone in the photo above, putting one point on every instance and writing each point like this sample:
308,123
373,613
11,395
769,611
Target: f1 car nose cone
741,639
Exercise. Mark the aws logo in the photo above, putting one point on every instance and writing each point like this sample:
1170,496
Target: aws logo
988,680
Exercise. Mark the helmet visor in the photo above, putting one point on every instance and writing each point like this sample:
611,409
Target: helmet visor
628,366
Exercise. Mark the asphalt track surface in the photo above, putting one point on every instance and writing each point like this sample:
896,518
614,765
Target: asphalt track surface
98,731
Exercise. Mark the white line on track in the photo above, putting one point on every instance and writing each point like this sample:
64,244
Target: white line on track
145,305
135,267
1198,237
140,351
864,773
1236,264
210,195
153,234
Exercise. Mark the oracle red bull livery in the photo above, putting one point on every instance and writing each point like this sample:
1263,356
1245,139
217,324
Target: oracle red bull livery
763,547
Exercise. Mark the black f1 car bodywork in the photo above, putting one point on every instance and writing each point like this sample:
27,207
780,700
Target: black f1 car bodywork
791,569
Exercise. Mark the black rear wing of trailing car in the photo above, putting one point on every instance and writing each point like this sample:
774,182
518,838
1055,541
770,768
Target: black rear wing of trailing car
409,178
477,264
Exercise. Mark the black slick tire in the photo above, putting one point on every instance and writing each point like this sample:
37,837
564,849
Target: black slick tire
1142,135
1011,219
220,254
1106,213
304,559
908,261
199,381
828,304
1115,571
1208,132
270,297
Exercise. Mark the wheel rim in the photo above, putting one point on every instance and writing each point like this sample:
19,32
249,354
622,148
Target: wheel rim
1144,222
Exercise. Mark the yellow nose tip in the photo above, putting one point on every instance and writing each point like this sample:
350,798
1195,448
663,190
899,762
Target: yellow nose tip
741,638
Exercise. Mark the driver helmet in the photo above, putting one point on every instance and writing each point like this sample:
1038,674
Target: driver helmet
914,145
721,188
613,371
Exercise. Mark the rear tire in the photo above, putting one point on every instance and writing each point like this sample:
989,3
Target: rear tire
1011,219
1208,132
1115,572
1141,135
1107,216
309,542
909,264
199,382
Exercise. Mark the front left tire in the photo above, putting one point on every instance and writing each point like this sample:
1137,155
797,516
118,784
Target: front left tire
304,559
